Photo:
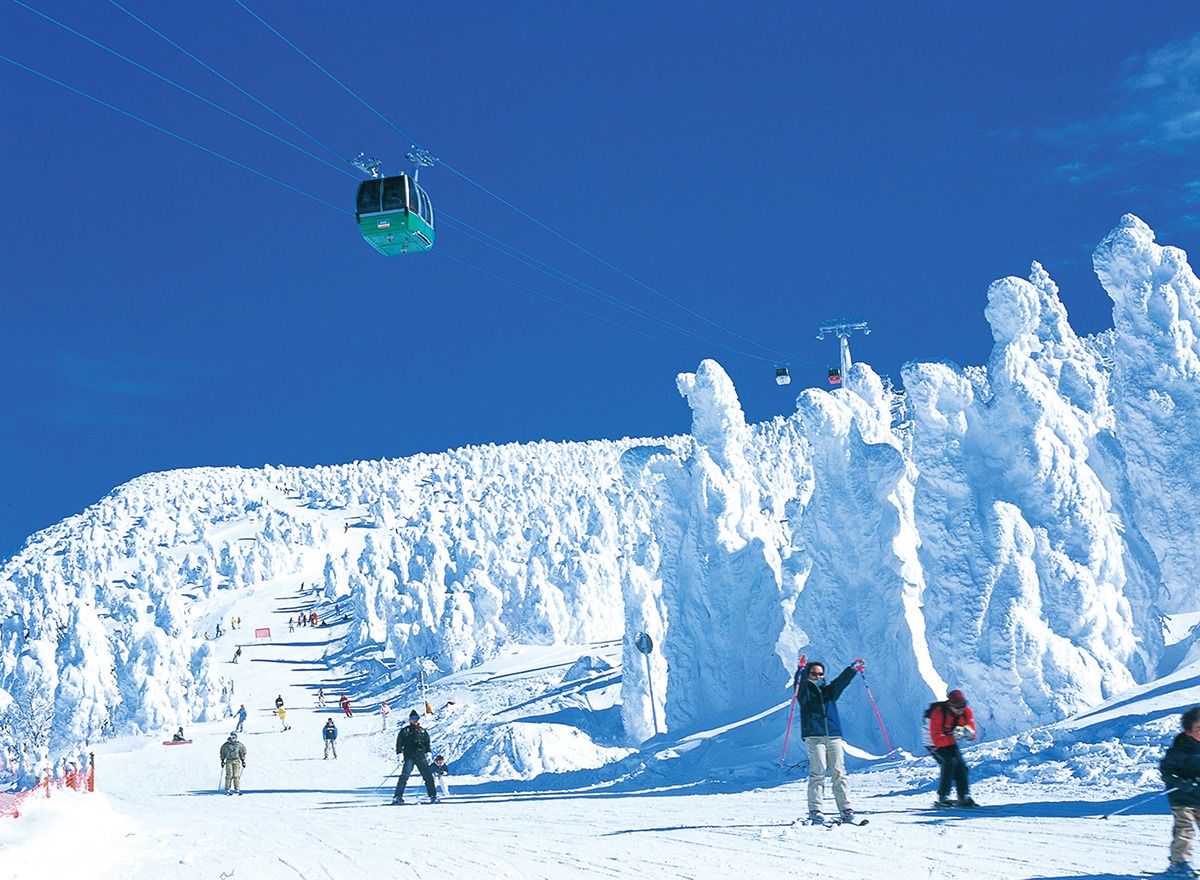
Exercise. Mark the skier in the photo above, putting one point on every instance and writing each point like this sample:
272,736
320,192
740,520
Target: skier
344,702
282,713
241,717
413,743
321,698
821,730
950,721
384,711
233,759
291,625
1180,770
440,772
329,734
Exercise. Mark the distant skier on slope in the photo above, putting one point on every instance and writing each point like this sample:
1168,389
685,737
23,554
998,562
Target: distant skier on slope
241,717
413,743
233,759
329,734
821,730
344,702
1180,770
950,721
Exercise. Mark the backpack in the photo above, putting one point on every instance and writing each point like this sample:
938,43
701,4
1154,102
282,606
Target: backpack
926,734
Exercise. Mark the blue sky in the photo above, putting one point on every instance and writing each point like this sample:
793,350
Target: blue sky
742,174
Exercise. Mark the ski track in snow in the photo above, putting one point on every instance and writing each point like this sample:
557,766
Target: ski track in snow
158,813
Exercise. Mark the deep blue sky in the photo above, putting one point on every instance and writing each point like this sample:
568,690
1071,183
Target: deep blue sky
768,167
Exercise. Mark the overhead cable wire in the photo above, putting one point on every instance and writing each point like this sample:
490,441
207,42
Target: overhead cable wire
776,354
170,133
170,82
582,286
566,304
478,235
501,246
226,79
322,201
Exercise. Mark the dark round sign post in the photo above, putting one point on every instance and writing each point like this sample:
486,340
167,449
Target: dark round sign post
645,644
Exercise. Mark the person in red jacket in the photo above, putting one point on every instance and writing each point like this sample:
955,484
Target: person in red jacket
345,704
950,721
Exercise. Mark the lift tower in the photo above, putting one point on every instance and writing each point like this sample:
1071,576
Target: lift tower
842,328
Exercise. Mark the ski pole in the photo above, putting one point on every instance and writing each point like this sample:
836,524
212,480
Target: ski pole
1140,801
791,711
860,666
389,776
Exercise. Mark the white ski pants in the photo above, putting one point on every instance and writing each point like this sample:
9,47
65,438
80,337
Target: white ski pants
825,753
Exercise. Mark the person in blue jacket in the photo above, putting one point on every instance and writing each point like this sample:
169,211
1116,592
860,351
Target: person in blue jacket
329,734
821,730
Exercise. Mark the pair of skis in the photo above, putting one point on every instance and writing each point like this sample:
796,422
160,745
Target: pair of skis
834,821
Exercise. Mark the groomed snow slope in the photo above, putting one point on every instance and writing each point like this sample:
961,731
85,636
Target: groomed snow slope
710,805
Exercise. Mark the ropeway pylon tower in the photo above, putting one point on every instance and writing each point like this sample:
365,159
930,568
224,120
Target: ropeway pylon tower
842,328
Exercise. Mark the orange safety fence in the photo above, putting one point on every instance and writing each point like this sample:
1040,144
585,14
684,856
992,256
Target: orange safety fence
77,779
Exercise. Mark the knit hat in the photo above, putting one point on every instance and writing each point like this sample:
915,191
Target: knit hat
956,699
413,714
233,736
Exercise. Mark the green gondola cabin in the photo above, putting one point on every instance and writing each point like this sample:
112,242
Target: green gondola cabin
394,215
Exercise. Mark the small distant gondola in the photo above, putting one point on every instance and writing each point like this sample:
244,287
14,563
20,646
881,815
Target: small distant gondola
781,376
835,376
394,215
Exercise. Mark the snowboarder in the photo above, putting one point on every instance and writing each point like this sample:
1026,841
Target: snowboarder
241,717
237,654
233,759
951,720
413,743
344,702
219,631
821,730
329,734
1180,770
179,737
440,772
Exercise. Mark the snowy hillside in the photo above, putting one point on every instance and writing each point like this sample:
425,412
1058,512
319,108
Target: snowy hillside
1020,535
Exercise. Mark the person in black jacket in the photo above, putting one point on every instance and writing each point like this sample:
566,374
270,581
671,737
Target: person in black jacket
413,743
1180,770
821,730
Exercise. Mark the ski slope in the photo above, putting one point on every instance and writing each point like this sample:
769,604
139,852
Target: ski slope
709,805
